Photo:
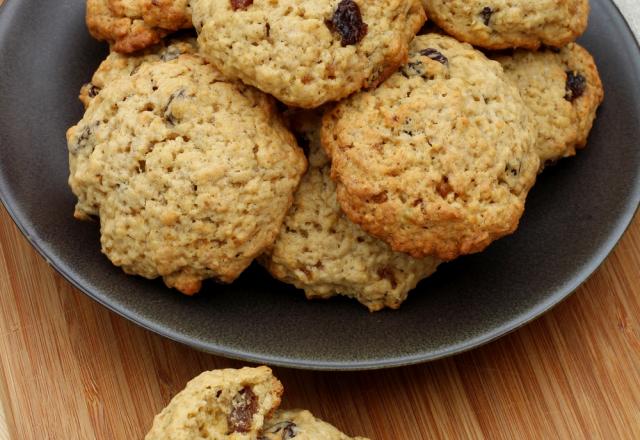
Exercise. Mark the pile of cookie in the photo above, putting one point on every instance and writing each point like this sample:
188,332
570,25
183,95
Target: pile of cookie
237,404
347,145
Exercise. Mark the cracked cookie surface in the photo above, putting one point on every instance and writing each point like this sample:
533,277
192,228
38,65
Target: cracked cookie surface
504,24
308,52
440,158
190,174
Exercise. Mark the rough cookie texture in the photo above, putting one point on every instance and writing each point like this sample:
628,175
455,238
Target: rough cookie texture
300,425
321,251
564,90
439,159
222,404
117,65
190,174
503,24
307,52
131,25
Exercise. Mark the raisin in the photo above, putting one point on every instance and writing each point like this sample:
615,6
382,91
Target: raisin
83,140
288,428
576,85
444,188
435,56
93,90
380,198
347,21
243,406
486,14
241,4
386,273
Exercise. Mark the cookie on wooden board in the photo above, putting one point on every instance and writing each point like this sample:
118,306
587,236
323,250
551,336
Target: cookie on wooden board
221,404
298,424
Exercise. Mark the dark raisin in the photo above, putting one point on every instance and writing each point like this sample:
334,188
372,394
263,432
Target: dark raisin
347,21
412,68
386,273
93,90
486,14
83,140
240,4
576,85
435,56
288,428
380,198
444,188
243,406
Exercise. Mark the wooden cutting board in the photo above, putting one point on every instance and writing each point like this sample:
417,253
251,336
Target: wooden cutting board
70,369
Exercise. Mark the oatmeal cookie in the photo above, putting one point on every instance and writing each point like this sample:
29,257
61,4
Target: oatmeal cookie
324,253
504,24
564,90
222,404
307,52
440,158
132,25
190,174
300,425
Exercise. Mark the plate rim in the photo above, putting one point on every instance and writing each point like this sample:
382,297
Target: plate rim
623,223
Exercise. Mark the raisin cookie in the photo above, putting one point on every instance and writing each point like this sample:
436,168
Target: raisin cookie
440,158
132,25
221,404
190,174
503,24
564,90
321,251
117,65
300,425
307,52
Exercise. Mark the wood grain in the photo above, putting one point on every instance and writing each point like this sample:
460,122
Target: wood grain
70,369
573,373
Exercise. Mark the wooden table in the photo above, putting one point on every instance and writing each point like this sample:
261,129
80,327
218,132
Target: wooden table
70,369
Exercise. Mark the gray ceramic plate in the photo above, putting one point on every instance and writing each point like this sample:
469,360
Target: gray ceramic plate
576,214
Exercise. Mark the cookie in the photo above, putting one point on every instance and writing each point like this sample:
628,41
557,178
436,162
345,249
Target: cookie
504,24
320,251
440,158
117,65
300,425
221,404
307,52
564,90
132,25
190,174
